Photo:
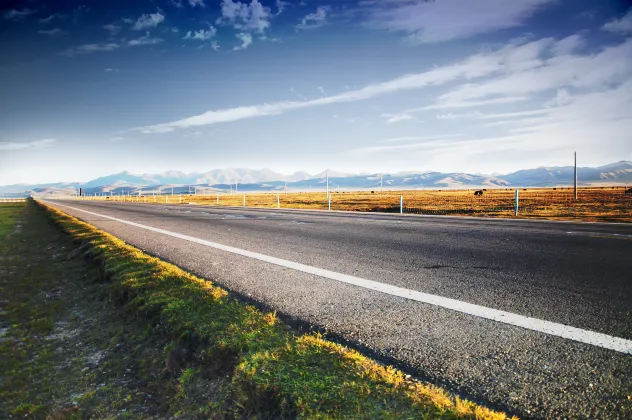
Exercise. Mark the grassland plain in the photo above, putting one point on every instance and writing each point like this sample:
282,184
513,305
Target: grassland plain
130,336
606,204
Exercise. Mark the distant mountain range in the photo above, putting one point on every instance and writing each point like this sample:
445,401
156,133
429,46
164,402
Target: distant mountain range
250,180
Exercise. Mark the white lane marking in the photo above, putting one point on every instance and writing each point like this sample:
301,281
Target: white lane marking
601,234
560,330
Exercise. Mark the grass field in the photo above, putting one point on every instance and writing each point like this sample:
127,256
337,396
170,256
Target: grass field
9,214
593,203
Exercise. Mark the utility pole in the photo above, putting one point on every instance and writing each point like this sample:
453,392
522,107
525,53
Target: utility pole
575,183
236,186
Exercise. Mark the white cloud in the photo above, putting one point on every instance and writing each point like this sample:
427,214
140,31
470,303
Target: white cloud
314,20
569,45
90,48
244,16
143,40
194,3
201,35
10,146
612,64
215,45
563,97
52,32
281,6
52,17
488,116
433,143
621,26
112,28
416,138
443,20
148,21
246,40
470,104
15,14
395,118
111,46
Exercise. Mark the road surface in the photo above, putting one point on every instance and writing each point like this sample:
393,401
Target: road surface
556,274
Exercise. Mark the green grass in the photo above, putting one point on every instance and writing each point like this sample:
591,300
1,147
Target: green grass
232,360
9,214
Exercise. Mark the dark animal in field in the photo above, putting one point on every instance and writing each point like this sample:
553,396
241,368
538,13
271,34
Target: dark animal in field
479,192
628,191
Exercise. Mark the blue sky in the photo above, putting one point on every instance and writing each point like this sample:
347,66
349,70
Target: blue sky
485,86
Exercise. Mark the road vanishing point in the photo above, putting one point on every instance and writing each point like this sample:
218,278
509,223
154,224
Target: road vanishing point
532,317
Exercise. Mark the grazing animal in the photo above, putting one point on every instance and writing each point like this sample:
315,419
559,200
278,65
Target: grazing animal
628,191
479,192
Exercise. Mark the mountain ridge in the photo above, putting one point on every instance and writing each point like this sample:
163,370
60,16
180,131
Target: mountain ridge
268,180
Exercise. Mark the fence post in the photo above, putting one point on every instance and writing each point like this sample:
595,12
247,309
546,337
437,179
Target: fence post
329,202
244,200
278,202
516,204
401,204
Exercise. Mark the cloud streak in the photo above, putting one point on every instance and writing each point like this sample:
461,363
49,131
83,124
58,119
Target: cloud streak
111,46
15,14
37,144
148,21
621,26
510,74
475,66
427,22
314,20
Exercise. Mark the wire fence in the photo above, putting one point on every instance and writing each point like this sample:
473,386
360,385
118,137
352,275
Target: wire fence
603,203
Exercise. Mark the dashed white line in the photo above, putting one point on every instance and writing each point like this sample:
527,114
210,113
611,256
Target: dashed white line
560,330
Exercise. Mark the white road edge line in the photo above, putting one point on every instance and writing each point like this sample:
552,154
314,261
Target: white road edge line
601,234
560,330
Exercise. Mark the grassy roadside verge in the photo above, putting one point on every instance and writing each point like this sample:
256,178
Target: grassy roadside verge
224,359
9,214
67,351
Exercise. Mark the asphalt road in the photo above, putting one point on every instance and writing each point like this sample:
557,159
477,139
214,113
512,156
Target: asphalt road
575,274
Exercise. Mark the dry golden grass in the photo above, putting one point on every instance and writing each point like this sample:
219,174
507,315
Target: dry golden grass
593,203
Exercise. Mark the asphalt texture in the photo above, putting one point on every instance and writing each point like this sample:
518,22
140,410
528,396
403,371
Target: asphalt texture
578,274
